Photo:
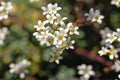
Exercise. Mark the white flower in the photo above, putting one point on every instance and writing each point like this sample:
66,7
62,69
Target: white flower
5,9
24,63
54,8
41,25
3,33
111,37
20,68
60,37
64,30
56,57
116,66
73,30
51,9
112,52
69,43
13,67
104,51
94,16
51,18
57,50
85,71
46,10
60,20
116,2
7,6
90,14
44,36
119,76
97,17
104,32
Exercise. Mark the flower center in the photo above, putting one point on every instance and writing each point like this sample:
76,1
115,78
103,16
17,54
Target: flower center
96,17
60,37
86,71
55,57
112,51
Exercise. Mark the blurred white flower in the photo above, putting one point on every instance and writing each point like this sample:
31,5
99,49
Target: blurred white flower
94,16
69,43
90,14
41,25
104,32
85,71
97,17
119,76
59,19
116,2
5,9
104,51
60,37
51,18
73,30
51,9
56,56
54,8
3,33
112,52
20,68
111,37
116,66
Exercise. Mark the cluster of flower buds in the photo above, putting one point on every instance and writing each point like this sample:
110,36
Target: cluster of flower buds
85,71
108,39
3,33
55,32
20,68
94,16
5,9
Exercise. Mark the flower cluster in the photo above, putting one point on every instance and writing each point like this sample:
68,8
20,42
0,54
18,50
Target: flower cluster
3,33
20,68
116,2
5,9
109,39
85,71
94,16
54,32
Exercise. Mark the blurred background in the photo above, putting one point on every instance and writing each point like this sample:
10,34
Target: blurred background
21,44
